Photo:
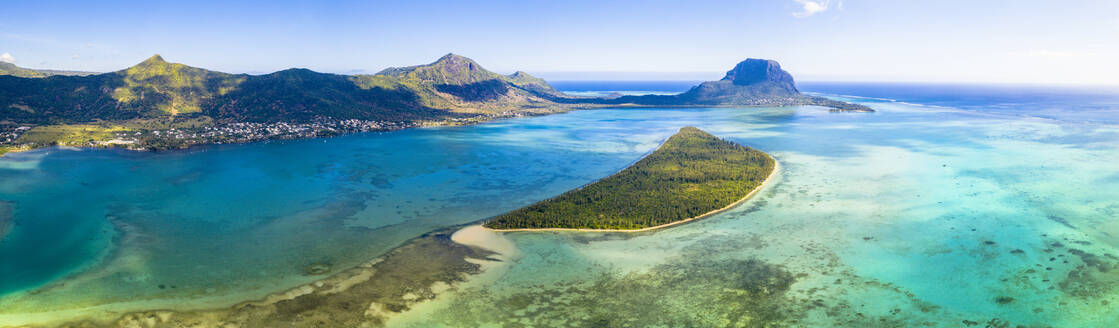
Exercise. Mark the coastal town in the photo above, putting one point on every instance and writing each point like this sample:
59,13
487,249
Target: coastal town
27,137
147,137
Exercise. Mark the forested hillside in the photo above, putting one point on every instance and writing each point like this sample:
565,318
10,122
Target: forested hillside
452,86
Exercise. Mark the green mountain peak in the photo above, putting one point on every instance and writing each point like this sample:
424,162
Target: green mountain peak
172,88
451,69
153,61
452,57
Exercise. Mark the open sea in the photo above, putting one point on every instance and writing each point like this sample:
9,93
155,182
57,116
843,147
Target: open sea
953,205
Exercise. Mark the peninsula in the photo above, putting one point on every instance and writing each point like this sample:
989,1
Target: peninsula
157,104
692,175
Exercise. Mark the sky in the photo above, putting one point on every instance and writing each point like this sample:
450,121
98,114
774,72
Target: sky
1024,41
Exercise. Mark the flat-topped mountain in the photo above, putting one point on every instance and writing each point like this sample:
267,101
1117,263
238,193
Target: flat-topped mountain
761,71
753,82
752,78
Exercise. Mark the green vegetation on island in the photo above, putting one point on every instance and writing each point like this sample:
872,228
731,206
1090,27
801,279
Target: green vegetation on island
691,174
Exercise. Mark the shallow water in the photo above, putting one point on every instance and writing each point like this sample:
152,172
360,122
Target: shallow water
908,216
217,225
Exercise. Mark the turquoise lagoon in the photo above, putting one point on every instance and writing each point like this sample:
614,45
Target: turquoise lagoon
917,215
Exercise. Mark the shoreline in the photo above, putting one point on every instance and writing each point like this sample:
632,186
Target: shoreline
423,124
465,251
768,179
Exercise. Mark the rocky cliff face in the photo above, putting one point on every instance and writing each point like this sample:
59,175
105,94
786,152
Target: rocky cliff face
754,71
750,81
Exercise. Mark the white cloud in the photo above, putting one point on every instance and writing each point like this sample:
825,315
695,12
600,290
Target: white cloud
7,58
812,7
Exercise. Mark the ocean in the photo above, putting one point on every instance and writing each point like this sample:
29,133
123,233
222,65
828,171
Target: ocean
952,204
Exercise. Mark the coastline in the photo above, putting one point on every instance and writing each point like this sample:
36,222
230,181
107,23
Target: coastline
6,149
490,270
766,182
387,286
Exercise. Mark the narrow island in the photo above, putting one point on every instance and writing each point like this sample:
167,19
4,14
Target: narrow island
692,175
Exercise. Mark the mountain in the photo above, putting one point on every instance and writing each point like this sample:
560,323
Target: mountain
533,84
458,84
302,95
153,88
749,80
170,89
13,70
450,69
157,104
453,86
456,70
753,82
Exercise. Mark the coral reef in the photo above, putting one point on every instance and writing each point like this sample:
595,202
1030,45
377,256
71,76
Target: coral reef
364,296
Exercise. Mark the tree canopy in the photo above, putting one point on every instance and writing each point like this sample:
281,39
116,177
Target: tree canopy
692,173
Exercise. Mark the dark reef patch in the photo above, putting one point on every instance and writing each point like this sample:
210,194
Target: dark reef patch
706,293
1061,220
1097,276
5,219
360,297
1004,300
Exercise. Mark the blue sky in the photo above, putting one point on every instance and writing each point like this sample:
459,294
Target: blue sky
853,40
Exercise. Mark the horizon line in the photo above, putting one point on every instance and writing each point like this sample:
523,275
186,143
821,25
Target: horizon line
685,76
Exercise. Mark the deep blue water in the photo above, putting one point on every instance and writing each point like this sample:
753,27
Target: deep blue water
1092,104
1070,103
